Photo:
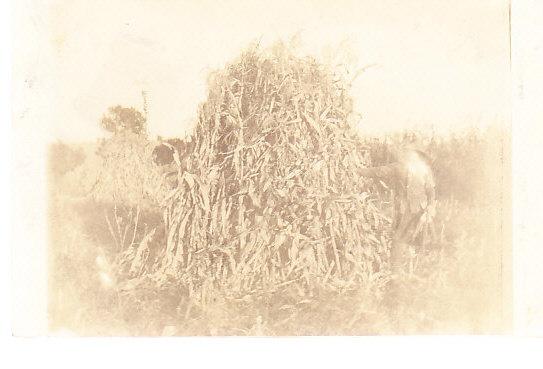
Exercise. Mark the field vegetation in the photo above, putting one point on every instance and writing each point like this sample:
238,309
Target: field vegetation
269,230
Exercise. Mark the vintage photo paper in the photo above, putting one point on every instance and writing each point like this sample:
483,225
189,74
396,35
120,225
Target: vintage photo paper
305,168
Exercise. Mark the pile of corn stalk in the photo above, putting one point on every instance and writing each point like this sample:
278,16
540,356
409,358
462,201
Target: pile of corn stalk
269,195
127,174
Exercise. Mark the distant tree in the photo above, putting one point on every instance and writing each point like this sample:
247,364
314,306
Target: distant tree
119,119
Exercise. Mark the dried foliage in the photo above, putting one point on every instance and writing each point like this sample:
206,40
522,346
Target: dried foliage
269,196
127,174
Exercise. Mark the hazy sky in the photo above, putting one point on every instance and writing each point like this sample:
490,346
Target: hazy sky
444,63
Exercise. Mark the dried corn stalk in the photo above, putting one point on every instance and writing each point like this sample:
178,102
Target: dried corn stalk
270,193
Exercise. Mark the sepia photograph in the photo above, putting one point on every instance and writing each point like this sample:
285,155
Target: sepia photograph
308,168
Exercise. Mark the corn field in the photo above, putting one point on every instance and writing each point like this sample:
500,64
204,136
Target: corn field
269,229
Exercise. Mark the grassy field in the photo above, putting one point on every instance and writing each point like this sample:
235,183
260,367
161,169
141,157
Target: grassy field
269,232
